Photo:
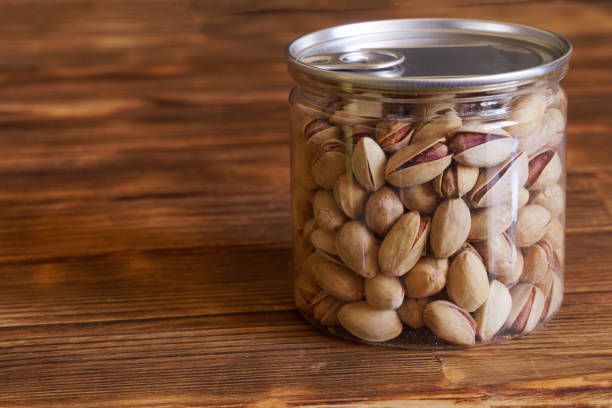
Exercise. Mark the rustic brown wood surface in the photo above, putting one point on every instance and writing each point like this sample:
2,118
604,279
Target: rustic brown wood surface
145,221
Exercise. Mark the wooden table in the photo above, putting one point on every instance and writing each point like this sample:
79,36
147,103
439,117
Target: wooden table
145,221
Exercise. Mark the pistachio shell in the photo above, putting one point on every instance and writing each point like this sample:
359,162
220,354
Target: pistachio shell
338,281
305,291
481,145
527,114
384,292
550,132
417,163
455,181
556,236
440,127
404,244
501,258
421,198
306,231
491,316
495,185
302,157
554,299
350,196
392,136
383,209
358,248
369,164
329,164
527,307
467,283
449,322
450,227
531,225
426,278
551,198
318,130
325,245
545,285
538,259
325,310
411,312
369,324
544,169
490,221
326,211
523,197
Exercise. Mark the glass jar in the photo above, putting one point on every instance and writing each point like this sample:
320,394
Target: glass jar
428,207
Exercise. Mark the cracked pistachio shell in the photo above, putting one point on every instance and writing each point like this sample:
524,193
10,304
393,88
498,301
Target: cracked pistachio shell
325,245
450,227
384,292
544,169
369,324
411,312
527,307
325,309
404,244
426,278
491,316
329,163
350,196
421,198
480,145
495,185
554,299
490,221
450,322
392,136
369,164
538,259
550,198
523,197
455,181
383,209
467,283
359,111
417,163
440,127
358,248
340,282
527,113
549,133
531,225
501,258
326,211
318,130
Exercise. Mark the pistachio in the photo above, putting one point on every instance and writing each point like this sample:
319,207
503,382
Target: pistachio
350,196
554,299
495,185
455,181
544,169
549,133
369,164
358,248
369,324
384,292
538,259
404,244
330,163
421,198
527,306
417,163
325,245
490,221
527,114
545,285
302,157
440,127
450,322
481,145
556,236
305,291
359,111
501,258
491,316
531,224
383,209
358,132
325,309
426,278
318,130
337,280
302,207
467,283
326,211
450,227
306,231
551,198
411,312
392,136
523,197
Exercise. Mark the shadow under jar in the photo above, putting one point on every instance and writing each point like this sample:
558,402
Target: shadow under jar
428,180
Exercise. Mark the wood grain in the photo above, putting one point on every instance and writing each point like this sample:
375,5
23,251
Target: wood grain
145,220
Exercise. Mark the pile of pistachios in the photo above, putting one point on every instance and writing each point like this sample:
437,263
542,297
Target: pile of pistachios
432,220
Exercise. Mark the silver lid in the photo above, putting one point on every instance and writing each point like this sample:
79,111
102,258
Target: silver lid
427,54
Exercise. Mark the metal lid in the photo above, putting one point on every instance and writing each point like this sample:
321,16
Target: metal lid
426,54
